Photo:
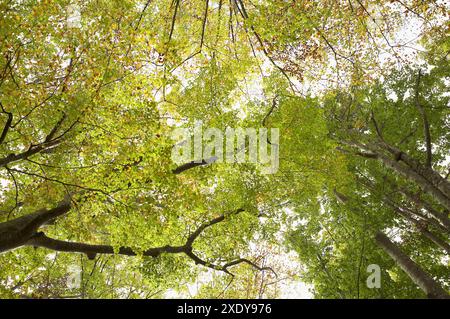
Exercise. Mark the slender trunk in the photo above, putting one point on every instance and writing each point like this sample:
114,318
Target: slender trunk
420,277
40,240
441,217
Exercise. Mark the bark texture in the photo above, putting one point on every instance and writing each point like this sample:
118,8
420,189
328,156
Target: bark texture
431,287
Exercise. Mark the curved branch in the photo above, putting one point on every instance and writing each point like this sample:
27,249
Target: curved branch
202,227
272,108
246,261
7,124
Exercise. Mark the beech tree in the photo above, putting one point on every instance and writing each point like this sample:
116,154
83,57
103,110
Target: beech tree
399,181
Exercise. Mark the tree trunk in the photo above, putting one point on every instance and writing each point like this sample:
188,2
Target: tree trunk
420,277
435,239
17,232
441,217
40,240
422,228
427,172
418,179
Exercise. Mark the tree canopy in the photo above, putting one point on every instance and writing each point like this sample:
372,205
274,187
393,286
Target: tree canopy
92,91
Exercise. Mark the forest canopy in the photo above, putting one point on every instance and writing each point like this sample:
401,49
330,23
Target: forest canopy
354,97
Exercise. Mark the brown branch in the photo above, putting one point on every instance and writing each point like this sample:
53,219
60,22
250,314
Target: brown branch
177,3
184,167
202,227
244,15
204,23
55,128
375,124
91,250
225,267
230,22
54,180
199,50
412,11
336,54
41,240
49,142
33,149
246,261
142,14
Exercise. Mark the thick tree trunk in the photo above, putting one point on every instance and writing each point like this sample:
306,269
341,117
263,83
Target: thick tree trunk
435,239
424,177
427,172
420,277
423,230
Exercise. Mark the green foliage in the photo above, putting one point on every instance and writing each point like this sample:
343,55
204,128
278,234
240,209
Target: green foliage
88,108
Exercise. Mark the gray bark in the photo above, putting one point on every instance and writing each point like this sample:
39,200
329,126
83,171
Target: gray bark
431,287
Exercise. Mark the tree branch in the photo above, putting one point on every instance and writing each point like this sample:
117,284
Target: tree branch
7,124
204,23
202,227
180,169
41,240
225,267
243,12
377,128
177,3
